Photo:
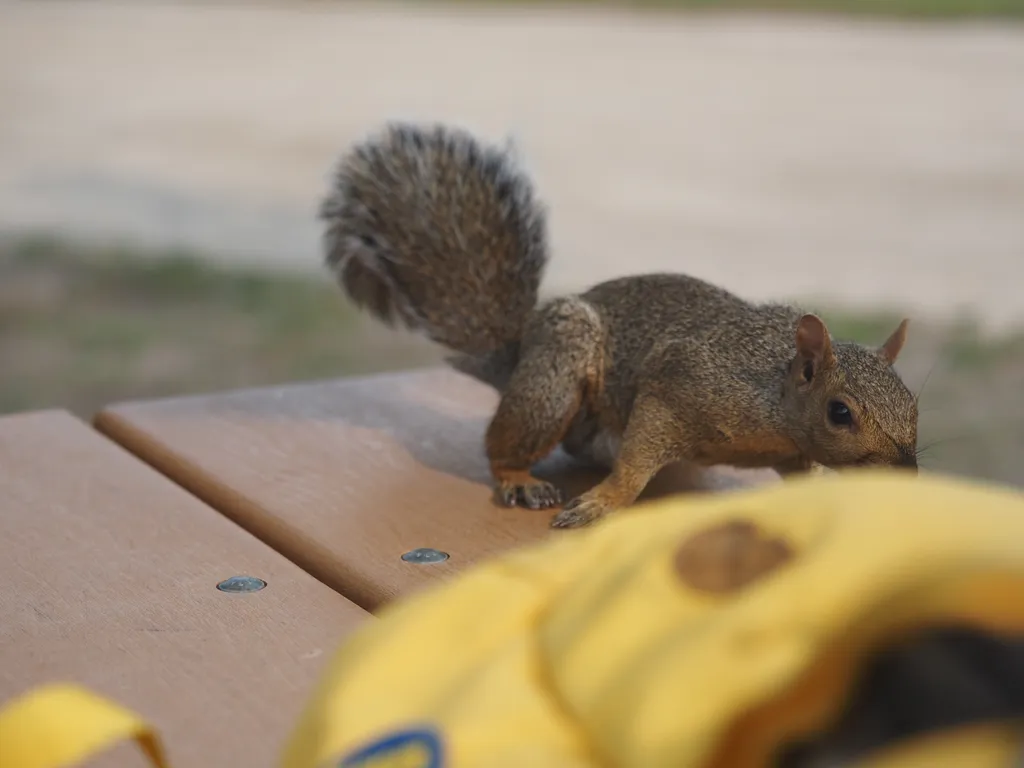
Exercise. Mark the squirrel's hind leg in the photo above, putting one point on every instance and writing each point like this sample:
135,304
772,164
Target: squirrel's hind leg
559,364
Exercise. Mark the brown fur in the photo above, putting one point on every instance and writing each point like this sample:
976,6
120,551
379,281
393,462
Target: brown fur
429,227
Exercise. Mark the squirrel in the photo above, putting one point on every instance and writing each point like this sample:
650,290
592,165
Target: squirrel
430,228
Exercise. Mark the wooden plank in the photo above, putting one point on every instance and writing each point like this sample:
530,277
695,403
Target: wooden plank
343,477
108,578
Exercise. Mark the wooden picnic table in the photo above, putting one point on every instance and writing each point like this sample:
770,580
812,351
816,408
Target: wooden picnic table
346,476
110,567
109,578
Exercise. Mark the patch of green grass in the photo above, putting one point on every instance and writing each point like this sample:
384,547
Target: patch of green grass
968,348
961,342
81,327
870,328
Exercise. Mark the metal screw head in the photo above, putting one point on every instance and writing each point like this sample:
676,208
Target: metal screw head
425,556
242,584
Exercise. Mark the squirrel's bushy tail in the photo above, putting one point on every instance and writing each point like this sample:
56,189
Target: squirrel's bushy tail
431,228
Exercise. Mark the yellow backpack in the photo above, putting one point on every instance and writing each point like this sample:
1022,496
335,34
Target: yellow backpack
866,619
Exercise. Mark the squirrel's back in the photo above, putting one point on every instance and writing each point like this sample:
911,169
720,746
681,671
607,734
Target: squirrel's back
429,227
680,307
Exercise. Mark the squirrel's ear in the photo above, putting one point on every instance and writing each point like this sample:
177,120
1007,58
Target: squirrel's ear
813,345
891,349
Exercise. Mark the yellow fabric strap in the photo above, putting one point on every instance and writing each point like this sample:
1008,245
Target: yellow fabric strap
63,725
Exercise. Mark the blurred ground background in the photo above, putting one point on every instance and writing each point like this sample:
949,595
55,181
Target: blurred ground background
161,163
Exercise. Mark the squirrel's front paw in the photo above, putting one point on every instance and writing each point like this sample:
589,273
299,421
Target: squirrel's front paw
528,492
581,511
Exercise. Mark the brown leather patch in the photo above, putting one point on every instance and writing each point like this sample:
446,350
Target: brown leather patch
729,556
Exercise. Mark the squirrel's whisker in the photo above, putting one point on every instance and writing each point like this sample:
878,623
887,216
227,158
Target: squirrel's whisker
917,397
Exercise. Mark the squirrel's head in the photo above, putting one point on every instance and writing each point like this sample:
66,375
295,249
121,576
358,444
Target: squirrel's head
848,403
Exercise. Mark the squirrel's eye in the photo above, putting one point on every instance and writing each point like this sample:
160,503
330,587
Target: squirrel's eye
839,414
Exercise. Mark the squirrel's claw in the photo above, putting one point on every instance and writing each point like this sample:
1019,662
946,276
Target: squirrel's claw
534,494
579,512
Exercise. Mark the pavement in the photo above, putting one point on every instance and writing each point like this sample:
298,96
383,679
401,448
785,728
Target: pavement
856,161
